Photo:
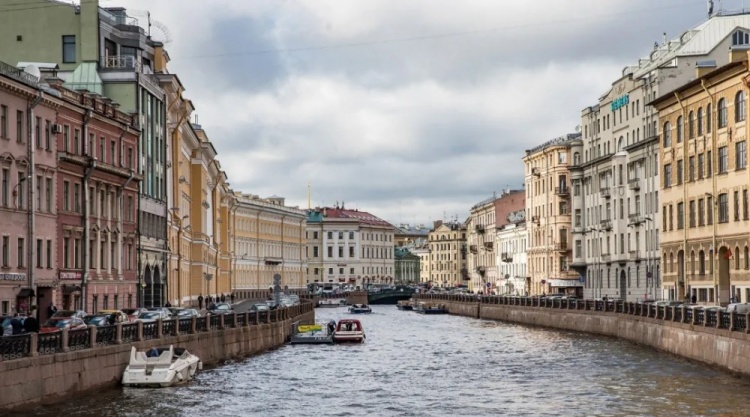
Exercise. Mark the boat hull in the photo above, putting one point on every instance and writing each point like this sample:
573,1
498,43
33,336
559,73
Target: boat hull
160,371
360,310
433,311
349,337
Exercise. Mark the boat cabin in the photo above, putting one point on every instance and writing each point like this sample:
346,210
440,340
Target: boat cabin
348,325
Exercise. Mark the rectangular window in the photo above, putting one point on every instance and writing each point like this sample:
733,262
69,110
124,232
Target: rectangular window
671,217
49,254
47,134
330,251
130,158
691,214
709,165
691,168
66,138
39,252
667,175
6,187
66,196
745,211
48,197
77,141
709,210
66,252
19,126
351,251
700,166
39,185
701,208
21,190
129,209
38,132
21,252
315,251
6,251
723,208
341,251
113,152
723,160
680,172
77,198
4,121
69,49
680,215
330,235
736,206
740,155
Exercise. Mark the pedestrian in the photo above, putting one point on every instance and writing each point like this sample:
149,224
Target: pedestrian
31,325
168,304
231,297
692,299
223,298
51,310
16,324
200,301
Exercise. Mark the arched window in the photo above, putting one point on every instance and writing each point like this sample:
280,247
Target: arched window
667,135
737,258
619,144
692,262
671,262
691,125
708,118
576,158
740,38
679,129
701,263
739,106
700,121
722,113
747,257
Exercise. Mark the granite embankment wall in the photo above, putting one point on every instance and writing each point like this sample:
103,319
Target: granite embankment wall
721,341
46,378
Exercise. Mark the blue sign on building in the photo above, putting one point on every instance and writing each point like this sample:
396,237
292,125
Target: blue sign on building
619,102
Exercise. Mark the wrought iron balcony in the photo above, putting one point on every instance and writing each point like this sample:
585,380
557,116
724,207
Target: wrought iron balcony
562,191
606,224
481,270
479,228
506,257
488,246
605,192
128,62
634,184
473,248
635,255
561,246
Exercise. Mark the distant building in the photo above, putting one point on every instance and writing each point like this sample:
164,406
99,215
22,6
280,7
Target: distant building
349,247
406,266
549,218
447,257
411,235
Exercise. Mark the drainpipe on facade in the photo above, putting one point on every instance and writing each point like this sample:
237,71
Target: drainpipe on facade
31,230
176,196
122,209
86,176
685,291
714,198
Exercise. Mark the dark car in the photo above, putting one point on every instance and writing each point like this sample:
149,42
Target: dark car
221,308
184,313
7,328
259,307
97,320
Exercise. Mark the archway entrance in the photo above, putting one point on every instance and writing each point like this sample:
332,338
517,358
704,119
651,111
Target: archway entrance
724,282
623,286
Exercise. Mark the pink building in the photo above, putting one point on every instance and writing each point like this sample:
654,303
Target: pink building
97,202
28,171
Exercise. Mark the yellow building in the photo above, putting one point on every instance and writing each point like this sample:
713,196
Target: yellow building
447,255
548,217
268,238
705,231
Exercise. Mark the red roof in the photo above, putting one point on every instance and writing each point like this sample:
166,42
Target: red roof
362,216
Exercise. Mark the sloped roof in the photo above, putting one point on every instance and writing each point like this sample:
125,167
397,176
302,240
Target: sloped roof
362,216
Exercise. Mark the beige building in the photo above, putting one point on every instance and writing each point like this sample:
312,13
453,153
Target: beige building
268,239
705,230
480,239
548,217
447,258
349,247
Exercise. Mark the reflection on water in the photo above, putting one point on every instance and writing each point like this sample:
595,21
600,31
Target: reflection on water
416,365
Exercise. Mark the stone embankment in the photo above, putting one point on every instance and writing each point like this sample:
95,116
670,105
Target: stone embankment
44,368
717,338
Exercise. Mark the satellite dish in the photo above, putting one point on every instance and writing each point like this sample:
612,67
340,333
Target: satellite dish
32,69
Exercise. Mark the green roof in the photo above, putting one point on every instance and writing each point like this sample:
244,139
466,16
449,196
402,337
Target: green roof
85,77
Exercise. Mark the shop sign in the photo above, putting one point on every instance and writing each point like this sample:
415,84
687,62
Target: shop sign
619,102
13,277
70,275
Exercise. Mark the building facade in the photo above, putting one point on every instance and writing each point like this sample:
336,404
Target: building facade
407,267
97,200
268,239
349,247
511,241
704,188
107,52
547,170
480,239
447,263
411,235
28,209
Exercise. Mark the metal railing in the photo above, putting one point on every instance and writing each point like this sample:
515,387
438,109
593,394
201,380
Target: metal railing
25,345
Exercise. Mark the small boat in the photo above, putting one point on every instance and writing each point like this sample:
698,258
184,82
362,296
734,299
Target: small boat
405,305
332,302
160,367
349,331
312,334
360,309
424,308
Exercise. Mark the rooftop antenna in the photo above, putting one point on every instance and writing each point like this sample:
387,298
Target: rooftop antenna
308,196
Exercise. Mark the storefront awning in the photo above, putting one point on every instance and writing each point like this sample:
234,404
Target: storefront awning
25,293
69,289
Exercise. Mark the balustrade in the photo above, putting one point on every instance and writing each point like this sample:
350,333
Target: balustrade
49,343
186,325
79,339
201,324
129,332
168,327
14,347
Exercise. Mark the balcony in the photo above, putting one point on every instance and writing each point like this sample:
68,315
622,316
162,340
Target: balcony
481,270
506,257
121,62
635,255
606,224
479,228
635,218
606,258
488,246
269,260
465,274
634,184
535,219
561,246
606,192
473,248
562,191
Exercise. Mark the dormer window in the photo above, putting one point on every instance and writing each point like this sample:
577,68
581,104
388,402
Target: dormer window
740,37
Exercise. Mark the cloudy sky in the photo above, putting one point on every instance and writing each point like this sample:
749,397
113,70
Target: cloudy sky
413,110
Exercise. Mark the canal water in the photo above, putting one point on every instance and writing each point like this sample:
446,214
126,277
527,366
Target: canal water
416,365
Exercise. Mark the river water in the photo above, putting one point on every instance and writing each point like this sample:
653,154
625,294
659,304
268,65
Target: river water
416,365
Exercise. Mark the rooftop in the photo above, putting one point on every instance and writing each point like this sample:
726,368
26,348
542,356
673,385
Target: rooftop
562,140
364,217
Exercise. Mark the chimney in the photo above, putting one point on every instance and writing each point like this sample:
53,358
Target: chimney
89,41
738,53
161,58
704,67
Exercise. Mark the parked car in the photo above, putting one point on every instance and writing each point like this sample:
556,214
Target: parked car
221,308
257,307
164,310
97,320
56,324
134,313
151,316
121,316
70,313
741,308
7,328
184,313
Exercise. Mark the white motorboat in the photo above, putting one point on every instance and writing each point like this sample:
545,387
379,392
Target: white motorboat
160,367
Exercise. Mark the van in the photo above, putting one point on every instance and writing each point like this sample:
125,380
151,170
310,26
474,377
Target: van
740,308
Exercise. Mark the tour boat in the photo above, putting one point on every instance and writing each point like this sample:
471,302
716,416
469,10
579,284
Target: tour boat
160,367
332,302
360,309
349,331
312,334
405,305
424,308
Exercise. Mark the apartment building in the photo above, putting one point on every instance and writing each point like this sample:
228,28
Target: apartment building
447,261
